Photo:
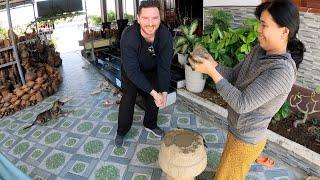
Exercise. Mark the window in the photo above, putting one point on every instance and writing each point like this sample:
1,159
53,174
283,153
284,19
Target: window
128,10
111,10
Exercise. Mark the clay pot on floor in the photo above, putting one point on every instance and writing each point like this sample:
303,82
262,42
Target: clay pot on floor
6,43
5,90
182,154
2,61
30,75
39,96
1,43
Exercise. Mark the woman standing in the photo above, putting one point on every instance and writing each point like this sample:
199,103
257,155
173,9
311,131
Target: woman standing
258,86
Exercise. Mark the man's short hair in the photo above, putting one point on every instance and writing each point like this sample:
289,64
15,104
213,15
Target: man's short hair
148,4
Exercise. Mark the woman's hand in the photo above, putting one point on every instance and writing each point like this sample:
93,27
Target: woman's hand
207,66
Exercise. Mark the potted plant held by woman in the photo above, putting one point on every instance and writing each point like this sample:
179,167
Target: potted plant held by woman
185,44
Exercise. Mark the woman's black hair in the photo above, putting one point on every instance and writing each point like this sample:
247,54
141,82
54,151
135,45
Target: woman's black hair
286,14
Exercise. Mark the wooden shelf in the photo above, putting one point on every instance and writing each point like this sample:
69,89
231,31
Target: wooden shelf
27,41
6,48
8,64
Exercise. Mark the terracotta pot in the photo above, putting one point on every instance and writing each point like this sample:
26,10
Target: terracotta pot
28,103
44,93
26,97
17,103
2,61
33,98
26,90
50,90
14,99
32,92
1,43
24,54
30,84
7,43
39,80
7,104
4,91
39,96
37,87
49,69
19,92
55,86
23,103
8,97
30,75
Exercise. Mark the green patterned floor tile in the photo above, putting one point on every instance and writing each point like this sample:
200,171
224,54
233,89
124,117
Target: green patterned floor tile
36,154
105,129
119,152
79,167
4,122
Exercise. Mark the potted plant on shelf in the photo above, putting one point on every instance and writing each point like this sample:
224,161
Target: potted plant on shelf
184,44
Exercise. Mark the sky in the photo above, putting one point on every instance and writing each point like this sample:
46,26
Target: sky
93,8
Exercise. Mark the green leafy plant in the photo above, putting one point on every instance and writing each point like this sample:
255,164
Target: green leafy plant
229,47
4,33
95,20
185,44
130,17
283,113
316,122
111,15
220,18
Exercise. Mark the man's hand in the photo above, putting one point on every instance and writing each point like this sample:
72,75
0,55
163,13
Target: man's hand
158,98
164,96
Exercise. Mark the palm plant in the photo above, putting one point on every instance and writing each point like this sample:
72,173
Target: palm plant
184,44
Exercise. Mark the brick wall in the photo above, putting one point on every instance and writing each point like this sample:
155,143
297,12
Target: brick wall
309,71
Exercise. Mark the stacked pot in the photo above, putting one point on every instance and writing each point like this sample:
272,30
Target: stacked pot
42,80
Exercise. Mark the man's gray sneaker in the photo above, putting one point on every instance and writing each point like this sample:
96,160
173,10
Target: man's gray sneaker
156,131
119,141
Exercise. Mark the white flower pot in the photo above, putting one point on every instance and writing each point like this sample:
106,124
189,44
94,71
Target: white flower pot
182,59
194,80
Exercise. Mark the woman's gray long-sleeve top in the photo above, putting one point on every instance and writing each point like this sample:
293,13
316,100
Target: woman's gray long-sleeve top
255,90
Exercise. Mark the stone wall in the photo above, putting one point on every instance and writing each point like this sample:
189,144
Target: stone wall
309,71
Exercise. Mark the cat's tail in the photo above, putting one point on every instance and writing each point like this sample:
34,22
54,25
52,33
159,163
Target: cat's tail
34,122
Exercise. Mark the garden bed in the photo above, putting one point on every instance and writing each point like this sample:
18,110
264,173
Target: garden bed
284,128
278,146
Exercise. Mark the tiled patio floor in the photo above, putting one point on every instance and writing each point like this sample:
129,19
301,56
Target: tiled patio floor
81,146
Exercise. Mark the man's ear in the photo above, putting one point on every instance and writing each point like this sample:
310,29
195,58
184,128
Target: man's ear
138,18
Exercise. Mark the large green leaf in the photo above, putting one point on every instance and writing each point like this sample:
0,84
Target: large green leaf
191,38
251,37
244,39
185,30
193,27
178,50
243,48
234,39
180,40
185,48
206,39
219,31
214,35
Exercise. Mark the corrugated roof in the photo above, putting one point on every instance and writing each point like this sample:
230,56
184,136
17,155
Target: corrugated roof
13,3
